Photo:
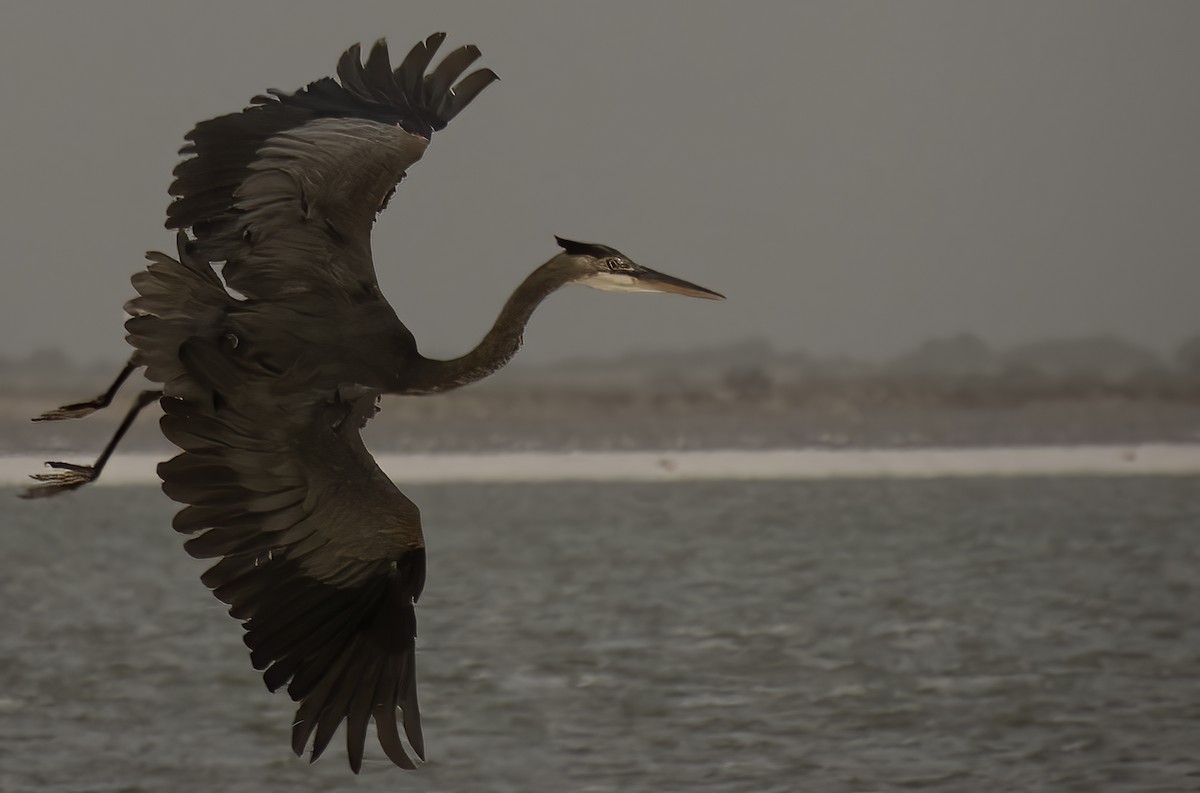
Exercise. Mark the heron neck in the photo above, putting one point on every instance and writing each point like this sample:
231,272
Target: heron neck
499,345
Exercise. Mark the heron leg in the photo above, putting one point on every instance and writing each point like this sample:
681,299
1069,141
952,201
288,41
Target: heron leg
70,476
80,409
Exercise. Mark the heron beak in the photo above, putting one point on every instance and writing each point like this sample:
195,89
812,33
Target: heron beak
653,281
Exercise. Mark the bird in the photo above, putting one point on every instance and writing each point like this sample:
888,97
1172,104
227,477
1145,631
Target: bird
272,344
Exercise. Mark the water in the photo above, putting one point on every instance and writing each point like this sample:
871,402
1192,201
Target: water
952,635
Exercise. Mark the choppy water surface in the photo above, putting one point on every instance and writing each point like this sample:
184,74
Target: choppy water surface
956,635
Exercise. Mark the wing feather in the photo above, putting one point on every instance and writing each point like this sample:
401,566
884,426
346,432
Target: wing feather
316,164
441,80
378,72
358,716
471,86
316,552
385,728
350,73
411,74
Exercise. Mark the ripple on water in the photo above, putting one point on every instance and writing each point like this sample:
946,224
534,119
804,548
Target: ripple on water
1007,634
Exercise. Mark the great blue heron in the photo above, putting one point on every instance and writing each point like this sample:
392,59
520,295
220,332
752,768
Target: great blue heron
268,377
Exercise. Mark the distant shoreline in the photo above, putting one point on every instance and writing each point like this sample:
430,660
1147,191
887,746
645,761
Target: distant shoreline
684,466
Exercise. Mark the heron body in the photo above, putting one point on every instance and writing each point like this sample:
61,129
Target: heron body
270,369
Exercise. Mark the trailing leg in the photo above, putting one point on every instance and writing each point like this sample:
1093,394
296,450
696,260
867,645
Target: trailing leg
80,409
70,476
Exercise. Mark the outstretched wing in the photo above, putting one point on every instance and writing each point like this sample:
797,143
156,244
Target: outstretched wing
321,556
285,192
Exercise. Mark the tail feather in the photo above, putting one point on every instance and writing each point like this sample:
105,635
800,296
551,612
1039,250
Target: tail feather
178,299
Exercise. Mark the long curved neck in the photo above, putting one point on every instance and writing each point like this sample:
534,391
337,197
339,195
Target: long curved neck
429,376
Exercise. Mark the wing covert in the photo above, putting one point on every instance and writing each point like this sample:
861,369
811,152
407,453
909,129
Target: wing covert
287,189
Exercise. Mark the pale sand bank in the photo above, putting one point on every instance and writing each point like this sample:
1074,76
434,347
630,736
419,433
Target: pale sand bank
795,464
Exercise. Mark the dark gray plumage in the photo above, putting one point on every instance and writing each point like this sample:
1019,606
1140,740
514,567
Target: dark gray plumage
268,377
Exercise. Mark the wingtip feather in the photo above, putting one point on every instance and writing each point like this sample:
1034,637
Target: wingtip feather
464,92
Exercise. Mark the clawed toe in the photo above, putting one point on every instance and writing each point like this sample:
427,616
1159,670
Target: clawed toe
69,478
76,411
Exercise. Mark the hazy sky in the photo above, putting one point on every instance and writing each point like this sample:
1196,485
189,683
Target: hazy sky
856,177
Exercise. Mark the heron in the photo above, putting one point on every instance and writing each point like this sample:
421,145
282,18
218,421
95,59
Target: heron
271,342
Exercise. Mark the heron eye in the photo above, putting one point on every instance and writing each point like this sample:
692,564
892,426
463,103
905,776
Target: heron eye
615,264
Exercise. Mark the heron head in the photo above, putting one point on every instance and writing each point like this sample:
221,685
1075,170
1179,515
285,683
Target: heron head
602,267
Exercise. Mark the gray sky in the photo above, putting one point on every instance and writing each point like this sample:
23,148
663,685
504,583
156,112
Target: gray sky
856,177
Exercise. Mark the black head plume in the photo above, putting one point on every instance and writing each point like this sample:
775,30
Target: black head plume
587,249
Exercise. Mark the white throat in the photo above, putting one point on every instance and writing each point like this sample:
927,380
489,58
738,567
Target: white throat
614,282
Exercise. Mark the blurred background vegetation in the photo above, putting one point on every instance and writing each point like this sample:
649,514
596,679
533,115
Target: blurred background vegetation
955,390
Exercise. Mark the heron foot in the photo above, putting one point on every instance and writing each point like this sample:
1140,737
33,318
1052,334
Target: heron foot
70,476
77,410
